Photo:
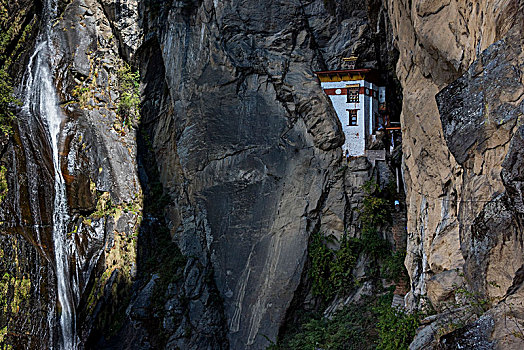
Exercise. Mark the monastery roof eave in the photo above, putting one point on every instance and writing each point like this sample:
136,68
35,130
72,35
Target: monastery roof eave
367,74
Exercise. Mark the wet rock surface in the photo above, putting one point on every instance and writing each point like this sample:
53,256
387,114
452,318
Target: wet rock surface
99,169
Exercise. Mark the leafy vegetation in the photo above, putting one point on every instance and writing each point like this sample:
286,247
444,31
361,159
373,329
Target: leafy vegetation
371,324
352,327
82,94
87,94
13,37
331,270
128,85
396,328
3,333
393,268
345,260
3,183
375,206
14,292
475,302
374,214
321,259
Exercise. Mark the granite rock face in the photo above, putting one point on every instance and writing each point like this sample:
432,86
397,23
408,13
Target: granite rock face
247,144
237,150
461,66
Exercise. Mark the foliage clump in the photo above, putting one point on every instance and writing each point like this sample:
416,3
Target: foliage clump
373,323
13,38
331,270
13,292
82,94
370,324
374,214
396,328
3,333
7,100
129,88
393,268
3,183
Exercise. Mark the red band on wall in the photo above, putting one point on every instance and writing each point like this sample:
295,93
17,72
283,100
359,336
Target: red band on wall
333,91
344,91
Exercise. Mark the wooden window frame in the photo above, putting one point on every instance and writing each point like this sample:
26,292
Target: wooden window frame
353,93
352,117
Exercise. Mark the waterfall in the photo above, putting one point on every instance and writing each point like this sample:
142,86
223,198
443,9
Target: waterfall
40,101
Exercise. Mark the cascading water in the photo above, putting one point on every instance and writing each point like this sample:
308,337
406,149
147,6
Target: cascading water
41,101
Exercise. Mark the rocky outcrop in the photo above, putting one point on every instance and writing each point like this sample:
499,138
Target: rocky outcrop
461,215
254,154
247,146
98,165
26,283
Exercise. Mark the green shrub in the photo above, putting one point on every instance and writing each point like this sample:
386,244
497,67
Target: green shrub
370,324
393,268
346,257
321,257
374,214
331,270
351,328
373,323
396,328
375,206
129,88
83,94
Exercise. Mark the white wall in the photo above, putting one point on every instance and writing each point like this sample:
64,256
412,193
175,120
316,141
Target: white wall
355,136
355,142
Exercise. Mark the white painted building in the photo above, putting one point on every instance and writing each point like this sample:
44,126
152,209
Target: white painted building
356,98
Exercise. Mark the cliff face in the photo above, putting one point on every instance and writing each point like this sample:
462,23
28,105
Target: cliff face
97,164
235,157
460,66
247,145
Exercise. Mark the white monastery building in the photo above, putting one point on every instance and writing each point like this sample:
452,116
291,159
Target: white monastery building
359,103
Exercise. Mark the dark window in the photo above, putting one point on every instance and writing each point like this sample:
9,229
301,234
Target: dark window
352,117
353,96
